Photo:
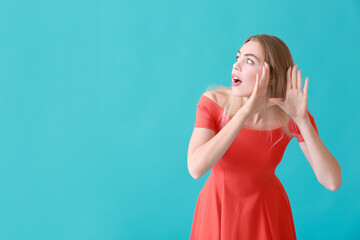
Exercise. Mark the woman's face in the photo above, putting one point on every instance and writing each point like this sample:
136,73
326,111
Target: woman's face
249,61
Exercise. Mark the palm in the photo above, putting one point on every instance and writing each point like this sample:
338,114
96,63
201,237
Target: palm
296,101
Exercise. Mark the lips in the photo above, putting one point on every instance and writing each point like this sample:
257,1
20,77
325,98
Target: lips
235,78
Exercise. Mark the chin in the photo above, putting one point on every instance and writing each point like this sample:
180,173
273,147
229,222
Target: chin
239,93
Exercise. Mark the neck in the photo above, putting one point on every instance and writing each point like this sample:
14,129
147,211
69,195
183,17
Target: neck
258,117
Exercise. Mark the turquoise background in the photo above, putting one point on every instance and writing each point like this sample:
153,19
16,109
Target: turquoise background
98,102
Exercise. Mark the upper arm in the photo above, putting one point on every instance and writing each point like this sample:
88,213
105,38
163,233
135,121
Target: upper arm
200,135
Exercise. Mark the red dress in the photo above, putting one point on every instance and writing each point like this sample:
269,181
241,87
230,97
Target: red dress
243,199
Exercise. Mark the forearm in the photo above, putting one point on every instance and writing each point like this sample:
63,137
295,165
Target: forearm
208,154
324,164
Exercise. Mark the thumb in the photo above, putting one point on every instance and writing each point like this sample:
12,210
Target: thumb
256,82
277,101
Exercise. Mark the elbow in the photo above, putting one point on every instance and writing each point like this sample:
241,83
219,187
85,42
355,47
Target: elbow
335,186
335,182
194,176
193,173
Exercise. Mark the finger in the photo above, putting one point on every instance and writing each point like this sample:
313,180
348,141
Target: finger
299,81
293,77
277,101
267,69
306,84
262,76
256,82
288,76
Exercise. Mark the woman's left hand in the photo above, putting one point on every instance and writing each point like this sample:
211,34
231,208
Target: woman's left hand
296,102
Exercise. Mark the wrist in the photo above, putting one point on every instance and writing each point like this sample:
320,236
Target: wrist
245,111
302,121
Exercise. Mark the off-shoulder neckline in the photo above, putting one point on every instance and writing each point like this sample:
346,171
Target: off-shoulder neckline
251,129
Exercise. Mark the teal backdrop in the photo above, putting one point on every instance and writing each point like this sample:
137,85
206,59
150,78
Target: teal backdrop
98,104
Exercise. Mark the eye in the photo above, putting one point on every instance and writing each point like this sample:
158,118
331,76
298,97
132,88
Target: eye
237,58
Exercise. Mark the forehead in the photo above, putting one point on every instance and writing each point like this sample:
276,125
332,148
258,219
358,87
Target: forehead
252,47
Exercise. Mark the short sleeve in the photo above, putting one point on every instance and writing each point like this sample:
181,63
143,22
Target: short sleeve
205,117
295,129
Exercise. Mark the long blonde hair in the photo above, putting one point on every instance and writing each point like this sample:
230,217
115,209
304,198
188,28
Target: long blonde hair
279,58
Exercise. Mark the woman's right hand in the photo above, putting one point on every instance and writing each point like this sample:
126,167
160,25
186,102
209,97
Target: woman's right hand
258,100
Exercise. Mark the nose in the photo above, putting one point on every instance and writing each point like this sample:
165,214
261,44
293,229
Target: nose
237,66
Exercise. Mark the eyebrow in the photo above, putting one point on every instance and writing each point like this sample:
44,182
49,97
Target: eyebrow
249,54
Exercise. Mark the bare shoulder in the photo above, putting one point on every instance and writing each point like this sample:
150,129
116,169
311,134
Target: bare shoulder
211,94
219,96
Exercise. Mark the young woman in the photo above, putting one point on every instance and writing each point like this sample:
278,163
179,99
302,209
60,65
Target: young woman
241,133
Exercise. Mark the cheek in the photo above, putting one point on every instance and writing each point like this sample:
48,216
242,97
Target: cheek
257,71
251,74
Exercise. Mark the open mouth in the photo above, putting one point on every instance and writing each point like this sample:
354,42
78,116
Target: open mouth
236,80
